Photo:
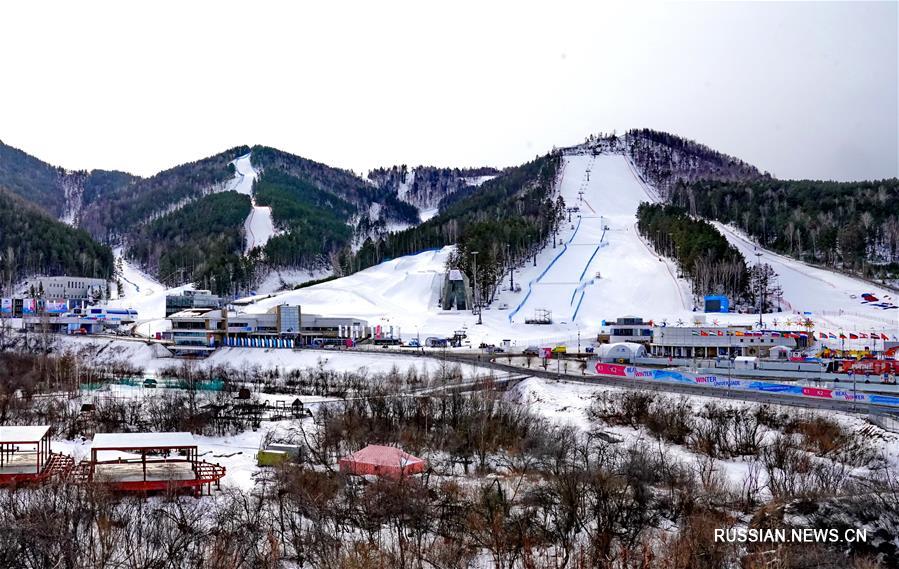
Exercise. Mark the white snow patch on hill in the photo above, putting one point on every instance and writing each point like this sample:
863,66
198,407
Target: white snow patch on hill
478,180
244,176
259,227
286,279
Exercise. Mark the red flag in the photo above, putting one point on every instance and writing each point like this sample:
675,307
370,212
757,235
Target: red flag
822,335
853,336
884,337
842,336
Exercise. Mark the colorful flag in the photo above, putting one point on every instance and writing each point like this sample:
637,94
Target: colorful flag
853,336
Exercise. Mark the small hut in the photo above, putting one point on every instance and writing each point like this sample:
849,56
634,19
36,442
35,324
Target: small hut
378,460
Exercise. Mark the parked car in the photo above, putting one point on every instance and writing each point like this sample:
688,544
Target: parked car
531,351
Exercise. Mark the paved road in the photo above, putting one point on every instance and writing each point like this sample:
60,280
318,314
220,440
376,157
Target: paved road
516,373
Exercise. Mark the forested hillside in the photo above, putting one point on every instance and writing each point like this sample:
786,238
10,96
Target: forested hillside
201,242
426,186
117,215
59,192
507,220
703,255
666,159
851,225
314,222
33,243
341,183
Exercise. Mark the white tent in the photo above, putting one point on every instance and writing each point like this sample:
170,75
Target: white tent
620,351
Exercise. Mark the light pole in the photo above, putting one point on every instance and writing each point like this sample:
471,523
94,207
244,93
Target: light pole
758,264
477,298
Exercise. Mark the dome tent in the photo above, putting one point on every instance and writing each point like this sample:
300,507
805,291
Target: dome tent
627,351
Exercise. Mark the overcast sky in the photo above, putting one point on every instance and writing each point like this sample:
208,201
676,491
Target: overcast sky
803,90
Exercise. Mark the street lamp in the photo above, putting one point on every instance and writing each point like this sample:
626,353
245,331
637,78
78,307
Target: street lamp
758,264
477,297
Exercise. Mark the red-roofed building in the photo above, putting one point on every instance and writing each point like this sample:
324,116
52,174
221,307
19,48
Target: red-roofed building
382,461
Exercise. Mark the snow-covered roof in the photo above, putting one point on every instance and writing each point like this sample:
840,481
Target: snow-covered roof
134,441
23,434
383,456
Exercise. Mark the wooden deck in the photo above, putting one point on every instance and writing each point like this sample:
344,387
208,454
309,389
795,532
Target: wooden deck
23,469
160,476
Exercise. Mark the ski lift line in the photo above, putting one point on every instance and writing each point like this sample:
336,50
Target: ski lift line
546,270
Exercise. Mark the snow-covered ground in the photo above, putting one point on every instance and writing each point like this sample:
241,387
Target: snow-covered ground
285,279
144,355
244,176
602,270
833,299
567,403
478,180
237,453
258,227
145,294
404,292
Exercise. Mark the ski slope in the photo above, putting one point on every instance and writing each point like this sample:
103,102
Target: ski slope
244,176
833,299
145,294
404,292
599,270
602,269
258,227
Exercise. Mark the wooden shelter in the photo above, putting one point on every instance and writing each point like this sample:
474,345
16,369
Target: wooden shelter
25,455
377,460
148,462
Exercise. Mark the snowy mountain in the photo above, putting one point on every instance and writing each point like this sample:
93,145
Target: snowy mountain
663,160
599,269
426,186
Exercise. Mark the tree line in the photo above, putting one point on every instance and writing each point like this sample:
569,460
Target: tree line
853,226
702,254
33,243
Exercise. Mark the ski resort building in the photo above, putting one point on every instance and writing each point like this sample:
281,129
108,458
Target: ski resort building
89,320
712,342
148,462
199,331
66,287
456,292
25,456
630,329
191,299
377,460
